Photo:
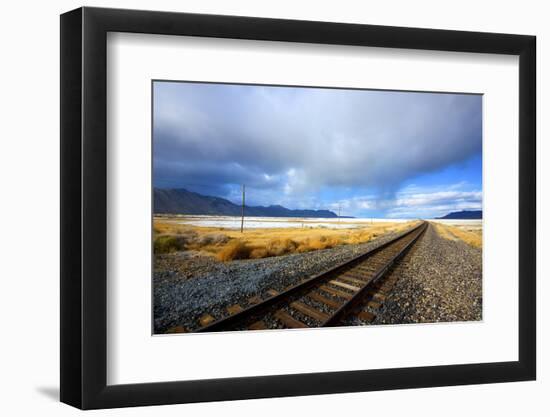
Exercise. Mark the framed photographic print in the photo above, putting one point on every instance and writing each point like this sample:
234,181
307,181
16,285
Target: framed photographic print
258,207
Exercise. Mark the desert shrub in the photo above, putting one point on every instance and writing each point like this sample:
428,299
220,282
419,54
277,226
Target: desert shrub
278,247
322,242
169,243
190,236
331,242
258,253
235,249
304,246
362,236
212,239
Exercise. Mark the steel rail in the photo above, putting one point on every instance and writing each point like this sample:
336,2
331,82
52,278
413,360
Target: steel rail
349,305
272,301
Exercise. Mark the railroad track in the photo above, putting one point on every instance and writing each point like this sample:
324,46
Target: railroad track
355,288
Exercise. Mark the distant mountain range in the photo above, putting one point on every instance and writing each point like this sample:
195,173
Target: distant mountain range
182,201
464,215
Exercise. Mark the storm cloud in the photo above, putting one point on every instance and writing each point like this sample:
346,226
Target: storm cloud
307,146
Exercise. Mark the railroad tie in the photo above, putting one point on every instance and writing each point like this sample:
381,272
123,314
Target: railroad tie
352,280
176,329
309,311
259,325
206,320
288,320
234,309
392,280
365,270
374,305
255,300
366,316
344,285
356,274
322,299
379,297
376,295
336,292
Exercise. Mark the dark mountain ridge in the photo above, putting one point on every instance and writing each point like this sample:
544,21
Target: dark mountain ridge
464,215
182,201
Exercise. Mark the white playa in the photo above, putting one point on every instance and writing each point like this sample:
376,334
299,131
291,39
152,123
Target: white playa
229,222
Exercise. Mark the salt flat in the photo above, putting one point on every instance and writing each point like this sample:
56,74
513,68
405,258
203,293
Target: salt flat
231,222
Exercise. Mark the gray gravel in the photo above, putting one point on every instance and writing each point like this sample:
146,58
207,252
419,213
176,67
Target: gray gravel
440,280
187,285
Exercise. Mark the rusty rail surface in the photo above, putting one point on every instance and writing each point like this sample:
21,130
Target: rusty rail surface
336,293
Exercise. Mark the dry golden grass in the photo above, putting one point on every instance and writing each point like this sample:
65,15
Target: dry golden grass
227,245
171,237
235,249
471,237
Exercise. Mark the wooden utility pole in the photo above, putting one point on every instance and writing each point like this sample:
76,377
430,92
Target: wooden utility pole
242,213
339,211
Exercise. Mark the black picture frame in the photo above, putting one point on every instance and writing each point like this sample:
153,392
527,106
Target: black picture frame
84,207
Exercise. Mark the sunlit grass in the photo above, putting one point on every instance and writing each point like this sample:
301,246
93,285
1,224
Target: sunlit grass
228,245
471,237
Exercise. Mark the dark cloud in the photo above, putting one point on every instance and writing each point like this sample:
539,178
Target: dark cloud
287,143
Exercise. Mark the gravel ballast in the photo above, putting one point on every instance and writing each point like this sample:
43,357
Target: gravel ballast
439,280
188,285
